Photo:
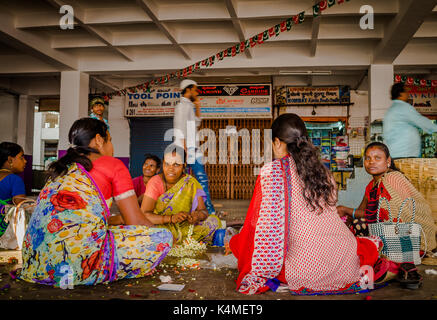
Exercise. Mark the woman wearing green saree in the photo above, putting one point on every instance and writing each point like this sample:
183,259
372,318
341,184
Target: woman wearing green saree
175,201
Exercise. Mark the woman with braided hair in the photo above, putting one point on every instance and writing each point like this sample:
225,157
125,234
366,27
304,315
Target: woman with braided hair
72,234
293,233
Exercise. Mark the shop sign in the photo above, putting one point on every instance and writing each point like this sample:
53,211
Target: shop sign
313,95
424,100
217,101
236,101
154,102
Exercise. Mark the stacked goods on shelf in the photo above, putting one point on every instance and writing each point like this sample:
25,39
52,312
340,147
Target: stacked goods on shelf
429,142
340,155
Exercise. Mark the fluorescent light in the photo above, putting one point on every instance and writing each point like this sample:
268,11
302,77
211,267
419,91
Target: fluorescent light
306,73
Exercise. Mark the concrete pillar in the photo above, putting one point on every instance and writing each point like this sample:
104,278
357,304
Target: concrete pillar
26,111
38,144
119,129
380,82
8,117
73,103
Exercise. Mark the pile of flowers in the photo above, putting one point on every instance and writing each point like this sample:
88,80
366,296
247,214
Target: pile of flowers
186,251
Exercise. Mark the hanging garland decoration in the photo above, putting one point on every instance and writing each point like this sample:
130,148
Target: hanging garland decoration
410,81
239,48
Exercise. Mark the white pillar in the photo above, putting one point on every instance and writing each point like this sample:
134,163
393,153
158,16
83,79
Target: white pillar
119,129
8,117
38,145
380,82
26,111
73,103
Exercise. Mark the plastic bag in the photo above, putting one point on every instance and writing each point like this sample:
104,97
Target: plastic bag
230,232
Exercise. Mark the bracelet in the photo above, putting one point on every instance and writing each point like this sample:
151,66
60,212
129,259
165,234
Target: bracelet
353,213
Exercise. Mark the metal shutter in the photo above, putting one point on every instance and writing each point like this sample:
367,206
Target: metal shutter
147,136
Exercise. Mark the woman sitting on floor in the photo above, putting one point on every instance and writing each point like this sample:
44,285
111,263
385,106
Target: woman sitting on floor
12,191
69,235
292,232
175,200
390,183
151,166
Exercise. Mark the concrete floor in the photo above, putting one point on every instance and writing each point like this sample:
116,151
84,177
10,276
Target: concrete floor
200,284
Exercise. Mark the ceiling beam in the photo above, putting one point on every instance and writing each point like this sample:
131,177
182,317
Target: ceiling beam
33,45
151,10
402,28
360,80
106,83
79,17
314,35
238,26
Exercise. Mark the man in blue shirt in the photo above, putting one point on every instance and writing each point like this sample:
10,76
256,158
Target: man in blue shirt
401,124
97,105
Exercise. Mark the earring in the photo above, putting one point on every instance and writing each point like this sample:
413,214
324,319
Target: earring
10,164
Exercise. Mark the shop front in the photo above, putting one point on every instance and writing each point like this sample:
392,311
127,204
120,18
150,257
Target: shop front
232,116
325,111
424,99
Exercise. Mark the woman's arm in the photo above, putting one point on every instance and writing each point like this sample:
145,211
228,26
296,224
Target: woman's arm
131,213
199,214
16,200
359,212
147,208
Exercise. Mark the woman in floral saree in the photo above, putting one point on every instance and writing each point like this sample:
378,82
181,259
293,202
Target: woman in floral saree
292,232
70,235
176,201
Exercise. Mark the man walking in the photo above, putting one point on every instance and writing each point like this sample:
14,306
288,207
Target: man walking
401,124
186,121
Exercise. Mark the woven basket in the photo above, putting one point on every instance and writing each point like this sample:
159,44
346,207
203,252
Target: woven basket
422,172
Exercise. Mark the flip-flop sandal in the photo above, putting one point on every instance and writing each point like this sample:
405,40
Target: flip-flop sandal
409,278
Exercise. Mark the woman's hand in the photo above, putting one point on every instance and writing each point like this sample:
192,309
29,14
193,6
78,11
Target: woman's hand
179,217
343,211
196,216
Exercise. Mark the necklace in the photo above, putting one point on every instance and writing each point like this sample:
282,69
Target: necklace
5,170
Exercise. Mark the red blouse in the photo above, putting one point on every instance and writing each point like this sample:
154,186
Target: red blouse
112,177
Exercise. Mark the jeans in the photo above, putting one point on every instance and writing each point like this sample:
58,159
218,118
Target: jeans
200,174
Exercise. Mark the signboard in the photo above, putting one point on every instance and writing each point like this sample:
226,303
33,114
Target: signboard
424,99
217,101
235,101
313,95
154,102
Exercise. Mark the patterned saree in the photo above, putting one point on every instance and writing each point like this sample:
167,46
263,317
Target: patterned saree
68,237
183,197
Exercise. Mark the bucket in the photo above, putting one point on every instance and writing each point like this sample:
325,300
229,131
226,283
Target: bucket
218,239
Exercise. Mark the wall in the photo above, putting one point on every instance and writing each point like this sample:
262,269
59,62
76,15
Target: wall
359,113
119,129
9,117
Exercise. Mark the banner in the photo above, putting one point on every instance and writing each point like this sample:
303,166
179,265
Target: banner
316,95
236,49
424,99
154,102
217,101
